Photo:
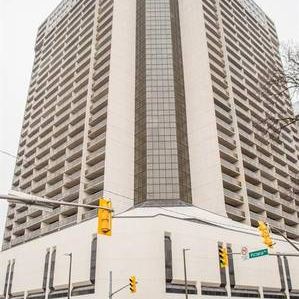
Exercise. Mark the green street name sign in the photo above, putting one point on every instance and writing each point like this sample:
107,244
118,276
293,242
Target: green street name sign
258,253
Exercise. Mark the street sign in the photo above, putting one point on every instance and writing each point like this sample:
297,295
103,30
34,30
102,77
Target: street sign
244,253
258,253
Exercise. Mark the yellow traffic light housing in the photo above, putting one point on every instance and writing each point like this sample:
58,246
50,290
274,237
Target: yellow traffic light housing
104,217
223,257
265,233
133,283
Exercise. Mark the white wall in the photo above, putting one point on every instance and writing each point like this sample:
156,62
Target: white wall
205,167
119,161
137,248
30,258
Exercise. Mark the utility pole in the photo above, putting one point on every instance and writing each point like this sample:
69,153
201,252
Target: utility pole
185,272
110,284
70,274
287,239
111,293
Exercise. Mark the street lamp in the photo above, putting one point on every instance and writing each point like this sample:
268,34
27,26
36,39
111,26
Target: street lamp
70,274
185,271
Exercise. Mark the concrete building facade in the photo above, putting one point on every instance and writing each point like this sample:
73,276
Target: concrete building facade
148,243
155,103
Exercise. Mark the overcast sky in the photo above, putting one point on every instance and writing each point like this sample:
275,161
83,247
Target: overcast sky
19,20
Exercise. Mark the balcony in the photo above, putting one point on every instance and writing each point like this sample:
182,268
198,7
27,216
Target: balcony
21,215
71,193
39,185
99,116
235,213
246,136
56,176
68,221
97,129
232,198
275,212
73,179
294,231
231,183
228,154
32,235
225,127
7,234
252,176
256,205
68,209
89,215
97,142
50,228
230,168
73,166
95,170
93,198
6,245
9,222
290,217
269,183
55,187
257,217
253,190
75,152
224,115
96,157
276,224
34,221
18,240
56,164
95,185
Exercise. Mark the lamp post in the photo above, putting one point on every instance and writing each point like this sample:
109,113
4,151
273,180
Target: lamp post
185,272
70,274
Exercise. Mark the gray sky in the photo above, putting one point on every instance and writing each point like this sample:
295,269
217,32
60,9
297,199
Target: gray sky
19,20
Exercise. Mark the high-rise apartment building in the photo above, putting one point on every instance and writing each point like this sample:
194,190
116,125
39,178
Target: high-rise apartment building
155,103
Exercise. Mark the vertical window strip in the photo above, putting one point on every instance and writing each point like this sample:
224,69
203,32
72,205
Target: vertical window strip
46,267
168,258
11,277
288,274
93,259
6,279
231,266
52,269
280,268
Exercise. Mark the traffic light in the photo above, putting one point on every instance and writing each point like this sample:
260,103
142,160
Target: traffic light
104,218
265,233
133,283
223,257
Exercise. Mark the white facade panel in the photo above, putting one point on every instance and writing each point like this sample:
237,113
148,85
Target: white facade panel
119,163
206,180
137,248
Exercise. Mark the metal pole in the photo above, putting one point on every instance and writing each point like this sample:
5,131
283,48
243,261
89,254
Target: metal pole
110,285
185,272
281,234
48,202
70,275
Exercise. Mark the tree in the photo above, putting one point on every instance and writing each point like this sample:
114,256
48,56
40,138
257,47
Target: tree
283,82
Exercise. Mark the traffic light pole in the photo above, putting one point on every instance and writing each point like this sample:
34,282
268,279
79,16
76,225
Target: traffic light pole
281,234
185,272
110,287
47,202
